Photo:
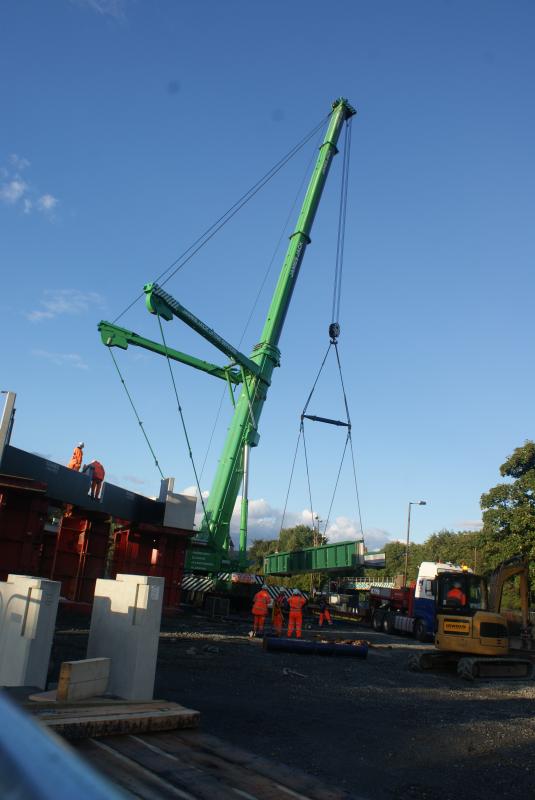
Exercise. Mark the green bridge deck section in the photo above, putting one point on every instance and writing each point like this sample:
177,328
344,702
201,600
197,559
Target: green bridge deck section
344,558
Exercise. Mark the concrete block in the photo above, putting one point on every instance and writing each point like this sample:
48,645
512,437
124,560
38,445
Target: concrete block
28,609
179,511
81,679
125,627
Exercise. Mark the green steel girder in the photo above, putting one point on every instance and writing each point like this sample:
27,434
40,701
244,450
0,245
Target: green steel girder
342,558
114,336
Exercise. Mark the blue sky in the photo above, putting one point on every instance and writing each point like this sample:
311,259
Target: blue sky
129,126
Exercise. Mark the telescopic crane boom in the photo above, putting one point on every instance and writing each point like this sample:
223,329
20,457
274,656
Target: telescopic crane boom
210,551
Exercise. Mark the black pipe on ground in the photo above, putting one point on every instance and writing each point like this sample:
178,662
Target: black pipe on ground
315,648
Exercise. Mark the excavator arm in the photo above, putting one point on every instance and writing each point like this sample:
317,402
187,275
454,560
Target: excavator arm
517,565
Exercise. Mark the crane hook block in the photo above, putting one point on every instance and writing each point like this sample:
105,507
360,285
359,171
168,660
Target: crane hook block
334,331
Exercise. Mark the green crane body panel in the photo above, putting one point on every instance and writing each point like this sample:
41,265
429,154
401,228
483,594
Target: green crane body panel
210,551
345,558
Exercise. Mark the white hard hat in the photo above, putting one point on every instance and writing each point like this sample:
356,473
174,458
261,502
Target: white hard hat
80,444
296,591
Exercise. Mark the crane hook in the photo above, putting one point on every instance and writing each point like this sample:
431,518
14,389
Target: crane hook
334,332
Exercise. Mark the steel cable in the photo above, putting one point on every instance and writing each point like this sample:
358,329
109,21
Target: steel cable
208,234
181,416
135,412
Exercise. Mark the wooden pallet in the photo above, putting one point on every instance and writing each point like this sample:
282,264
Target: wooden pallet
195,766
108,718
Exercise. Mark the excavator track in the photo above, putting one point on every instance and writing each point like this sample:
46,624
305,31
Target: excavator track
431,660
473,668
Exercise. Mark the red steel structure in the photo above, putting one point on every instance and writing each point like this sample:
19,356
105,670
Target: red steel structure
47,537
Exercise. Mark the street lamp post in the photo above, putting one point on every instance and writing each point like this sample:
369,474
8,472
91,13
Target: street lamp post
417,503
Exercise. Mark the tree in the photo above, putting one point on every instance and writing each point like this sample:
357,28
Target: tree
509,515
509,508
257,551
299,537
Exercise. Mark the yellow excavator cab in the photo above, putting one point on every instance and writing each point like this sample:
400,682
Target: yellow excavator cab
470,631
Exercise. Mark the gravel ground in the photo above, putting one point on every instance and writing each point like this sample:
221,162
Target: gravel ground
369,726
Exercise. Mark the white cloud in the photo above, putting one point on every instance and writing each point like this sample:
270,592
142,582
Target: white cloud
12,191
21,193
64,301
342,529
17,162
110,8
47,202
264,522
62,359
469,524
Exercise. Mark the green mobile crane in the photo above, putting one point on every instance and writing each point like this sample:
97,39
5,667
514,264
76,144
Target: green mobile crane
210,551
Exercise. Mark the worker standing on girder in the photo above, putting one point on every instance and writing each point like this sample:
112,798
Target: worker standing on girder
96,473
76,458
278,617
260,609
295,617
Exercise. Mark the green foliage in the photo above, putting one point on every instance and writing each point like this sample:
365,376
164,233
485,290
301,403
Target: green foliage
257,551
299,537
509,508
457,547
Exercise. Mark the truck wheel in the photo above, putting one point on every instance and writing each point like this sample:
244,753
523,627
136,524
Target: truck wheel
388,624
420,631
377,621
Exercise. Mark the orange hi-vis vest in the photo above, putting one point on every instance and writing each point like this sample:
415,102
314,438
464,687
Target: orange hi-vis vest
76,459
296,603
456,594
98,471
260,603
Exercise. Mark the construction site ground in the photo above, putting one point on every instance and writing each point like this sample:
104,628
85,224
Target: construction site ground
370,726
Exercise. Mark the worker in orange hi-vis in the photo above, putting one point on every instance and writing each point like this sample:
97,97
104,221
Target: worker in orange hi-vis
295,617
325,614
261,602
96,474
277,618
76,458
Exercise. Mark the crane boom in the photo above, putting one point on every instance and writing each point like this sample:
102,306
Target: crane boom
211,544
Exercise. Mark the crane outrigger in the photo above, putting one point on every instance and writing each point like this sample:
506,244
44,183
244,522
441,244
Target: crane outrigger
210,552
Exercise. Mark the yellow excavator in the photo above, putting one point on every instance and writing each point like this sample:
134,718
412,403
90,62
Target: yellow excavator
471,631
